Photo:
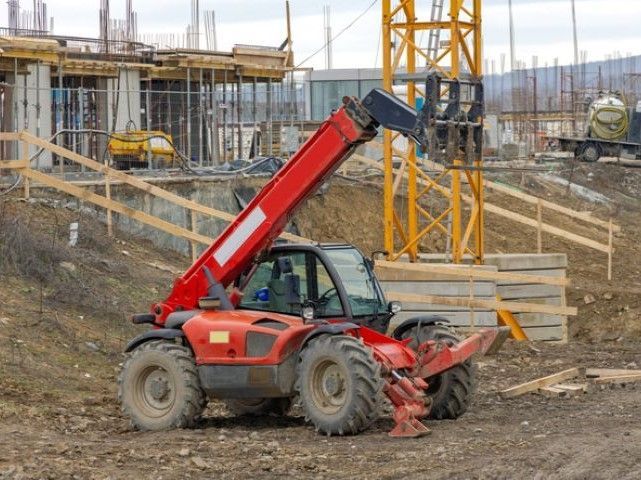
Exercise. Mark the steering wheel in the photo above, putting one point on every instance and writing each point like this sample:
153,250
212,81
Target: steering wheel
324,298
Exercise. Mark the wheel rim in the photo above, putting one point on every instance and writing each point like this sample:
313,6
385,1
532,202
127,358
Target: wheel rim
329,386
154,391
591,153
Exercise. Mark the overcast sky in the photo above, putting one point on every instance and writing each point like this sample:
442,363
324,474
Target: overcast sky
543,27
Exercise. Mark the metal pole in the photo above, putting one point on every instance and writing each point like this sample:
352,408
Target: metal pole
512,50
214,120
388,193
189,113
576,42
15,106
255,137
269,114
200,118
239,91
224,143
148,117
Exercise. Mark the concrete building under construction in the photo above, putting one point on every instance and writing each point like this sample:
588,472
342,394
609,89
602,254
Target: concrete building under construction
71,89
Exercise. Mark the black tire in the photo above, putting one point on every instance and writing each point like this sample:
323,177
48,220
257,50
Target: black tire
590,152
451,391
159,387
339,384
257,407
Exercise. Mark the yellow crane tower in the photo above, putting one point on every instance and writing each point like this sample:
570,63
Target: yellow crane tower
454,50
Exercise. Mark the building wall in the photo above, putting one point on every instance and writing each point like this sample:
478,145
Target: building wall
325,89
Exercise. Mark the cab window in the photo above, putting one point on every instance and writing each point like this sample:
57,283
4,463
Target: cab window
266,289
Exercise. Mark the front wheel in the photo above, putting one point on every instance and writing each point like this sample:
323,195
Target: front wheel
159,387
339,384
451,391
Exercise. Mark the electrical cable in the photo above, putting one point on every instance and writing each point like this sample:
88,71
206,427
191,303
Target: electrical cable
604,129
347,27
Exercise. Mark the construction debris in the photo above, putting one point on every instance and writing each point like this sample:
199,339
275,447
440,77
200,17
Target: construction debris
551,385
539,383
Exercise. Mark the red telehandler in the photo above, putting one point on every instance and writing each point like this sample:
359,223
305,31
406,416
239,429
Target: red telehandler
259,324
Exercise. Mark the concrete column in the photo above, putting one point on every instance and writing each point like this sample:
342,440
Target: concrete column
123,99
33,106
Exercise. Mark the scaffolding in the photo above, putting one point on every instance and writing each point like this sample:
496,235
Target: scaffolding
458,53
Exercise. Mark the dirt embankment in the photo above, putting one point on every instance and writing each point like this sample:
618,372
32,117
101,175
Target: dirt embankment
63,325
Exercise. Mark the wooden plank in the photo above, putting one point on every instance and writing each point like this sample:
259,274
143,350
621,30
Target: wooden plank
116,207
526,292
573,388
14,164
481,318
144,186
559,232
389,275
447,289
550,380
554,273
525,197
553,392
584,216
9,136
488,207
630,378
489,304
609,372
563,390
464,271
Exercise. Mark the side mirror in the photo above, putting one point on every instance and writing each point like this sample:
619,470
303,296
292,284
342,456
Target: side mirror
307,312
394,307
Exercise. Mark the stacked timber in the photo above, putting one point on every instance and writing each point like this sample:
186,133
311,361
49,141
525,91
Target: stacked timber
530,286
537,326
442,285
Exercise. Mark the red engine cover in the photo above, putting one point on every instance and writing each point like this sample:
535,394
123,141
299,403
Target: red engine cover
220,337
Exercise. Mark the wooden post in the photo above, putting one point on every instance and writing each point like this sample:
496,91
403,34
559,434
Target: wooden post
194,228
610,249
539,222
110,229
25,158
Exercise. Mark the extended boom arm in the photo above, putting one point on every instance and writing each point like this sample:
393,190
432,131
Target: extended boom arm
266,216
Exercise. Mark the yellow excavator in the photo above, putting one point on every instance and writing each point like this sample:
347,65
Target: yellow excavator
141,149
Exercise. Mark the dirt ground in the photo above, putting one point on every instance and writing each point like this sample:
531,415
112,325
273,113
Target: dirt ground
63,326
595,436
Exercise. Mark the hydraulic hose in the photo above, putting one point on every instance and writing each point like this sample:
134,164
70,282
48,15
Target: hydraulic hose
603,130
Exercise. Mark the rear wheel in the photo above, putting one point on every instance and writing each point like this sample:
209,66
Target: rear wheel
159,387
451,391
258,406
589,152
339,384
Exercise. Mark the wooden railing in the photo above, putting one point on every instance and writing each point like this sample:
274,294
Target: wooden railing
536,223
23,167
